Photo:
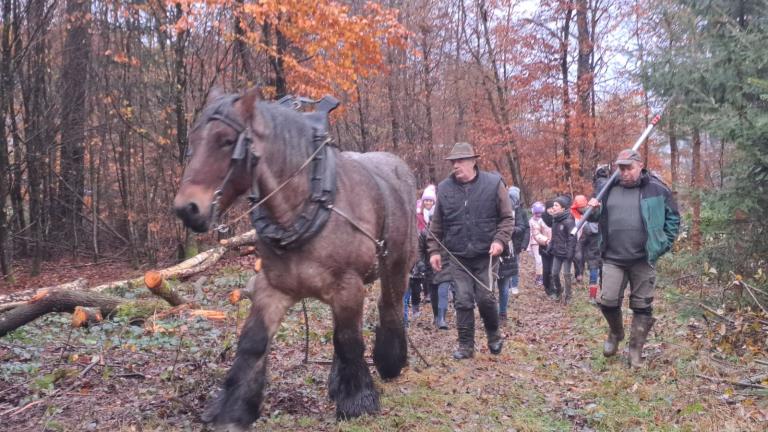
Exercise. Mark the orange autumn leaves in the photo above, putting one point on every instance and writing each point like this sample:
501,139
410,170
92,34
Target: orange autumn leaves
328,45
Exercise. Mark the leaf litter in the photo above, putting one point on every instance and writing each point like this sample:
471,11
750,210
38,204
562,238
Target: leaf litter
550,376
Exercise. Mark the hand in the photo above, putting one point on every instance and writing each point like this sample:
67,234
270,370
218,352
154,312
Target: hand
436,262
593,202
496,249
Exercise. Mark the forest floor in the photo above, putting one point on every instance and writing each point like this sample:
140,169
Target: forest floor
551,375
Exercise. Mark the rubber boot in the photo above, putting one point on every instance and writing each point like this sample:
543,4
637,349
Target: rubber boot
567,287
440,321
556,288
465,326
593,294
641,325
489,312
616,330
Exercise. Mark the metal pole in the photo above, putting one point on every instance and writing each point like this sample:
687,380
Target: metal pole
656,119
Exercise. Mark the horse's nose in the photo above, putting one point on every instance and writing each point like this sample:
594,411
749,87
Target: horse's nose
187,211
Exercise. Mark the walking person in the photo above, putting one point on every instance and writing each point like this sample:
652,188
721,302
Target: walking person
536,226
473,220
509,269
562,248
546,257
639,222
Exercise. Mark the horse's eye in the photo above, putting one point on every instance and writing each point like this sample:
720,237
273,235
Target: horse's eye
227,143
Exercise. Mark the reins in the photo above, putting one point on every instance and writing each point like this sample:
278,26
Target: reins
456,260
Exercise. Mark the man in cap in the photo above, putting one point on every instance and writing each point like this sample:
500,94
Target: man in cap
638,220
473,220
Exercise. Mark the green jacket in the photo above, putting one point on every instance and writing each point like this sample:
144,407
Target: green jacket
660,216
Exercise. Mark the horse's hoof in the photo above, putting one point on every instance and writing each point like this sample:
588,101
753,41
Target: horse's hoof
221,419
365,402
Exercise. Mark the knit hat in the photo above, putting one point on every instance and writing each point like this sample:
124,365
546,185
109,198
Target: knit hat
537,207
579,201
514,195
563,200
429,193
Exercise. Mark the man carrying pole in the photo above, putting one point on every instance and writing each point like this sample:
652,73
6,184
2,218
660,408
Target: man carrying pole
639,221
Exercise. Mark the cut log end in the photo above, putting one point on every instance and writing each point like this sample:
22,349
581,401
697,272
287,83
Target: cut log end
83,316
153,280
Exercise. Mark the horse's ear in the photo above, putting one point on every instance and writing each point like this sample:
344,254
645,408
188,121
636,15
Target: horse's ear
251,96
214,94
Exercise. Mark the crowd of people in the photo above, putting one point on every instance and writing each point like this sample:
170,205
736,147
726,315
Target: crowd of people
473,229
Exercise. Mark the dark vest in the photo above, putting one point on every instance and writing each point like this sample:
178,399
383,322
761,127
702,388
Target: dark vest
469,214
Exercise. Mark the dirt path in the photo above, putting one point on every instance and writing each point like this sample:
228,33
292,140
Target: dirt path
550,376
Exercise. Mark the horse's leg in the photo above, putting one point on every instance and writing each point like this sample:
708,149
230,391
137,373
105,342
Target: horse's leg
390,351
238,403
350,384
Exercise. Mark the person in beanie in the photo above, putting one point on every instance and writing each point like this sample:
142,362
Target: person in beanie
473,221
639,222
426,208
509,278
537,238
587,246
579,201
546,257
562,248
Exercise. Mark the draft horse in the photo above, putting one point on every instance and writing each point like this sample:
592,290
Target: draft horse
332,221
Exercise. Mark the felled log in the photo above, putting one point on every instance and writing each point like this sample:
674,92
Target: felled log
194,265
240,294
85,316
161,288
50,300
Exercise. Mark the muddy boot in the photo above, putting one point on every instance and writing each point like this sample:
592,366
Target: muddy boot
616,330
440,320
567,286
557,289
489,312
465,324
494,341
641,325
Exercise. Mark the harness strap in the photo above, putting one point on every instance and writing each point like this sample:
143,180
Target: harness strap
381,245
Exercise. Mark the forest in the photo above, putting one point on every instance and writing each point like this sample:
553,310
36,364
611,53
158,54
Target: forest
97,102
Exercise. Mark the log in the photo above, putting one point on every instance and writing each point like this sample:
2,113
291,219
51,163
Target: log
85,316
161,288
194,265
242,293
47,301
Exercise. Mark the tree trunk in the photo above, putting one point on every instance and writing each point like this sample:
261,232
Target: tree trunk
276,60
674,152
696,190
391,95
565,35
6,246
179,91
584,80
74,113
36,128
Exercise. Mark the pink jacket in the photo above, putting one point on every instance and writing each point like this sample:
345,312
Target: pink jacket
540,232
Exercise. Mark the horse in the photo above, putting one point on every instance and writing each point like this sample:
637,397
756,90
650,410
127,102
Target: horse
365,231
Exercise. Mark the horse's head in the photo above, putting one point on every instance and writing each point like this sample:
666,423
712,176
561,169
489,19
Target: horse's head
220,159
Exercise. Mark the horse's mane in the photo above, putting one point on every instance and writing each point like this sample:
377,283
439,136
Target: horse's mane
289,136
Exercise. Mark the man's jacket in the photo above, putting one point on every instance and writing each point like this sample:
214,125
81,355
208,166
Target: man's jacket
660,216
469,217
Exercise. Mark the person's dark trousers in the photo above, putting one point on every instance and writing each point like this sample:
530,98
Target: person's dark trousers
476,289
546,273
578,262
415,287
433,298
